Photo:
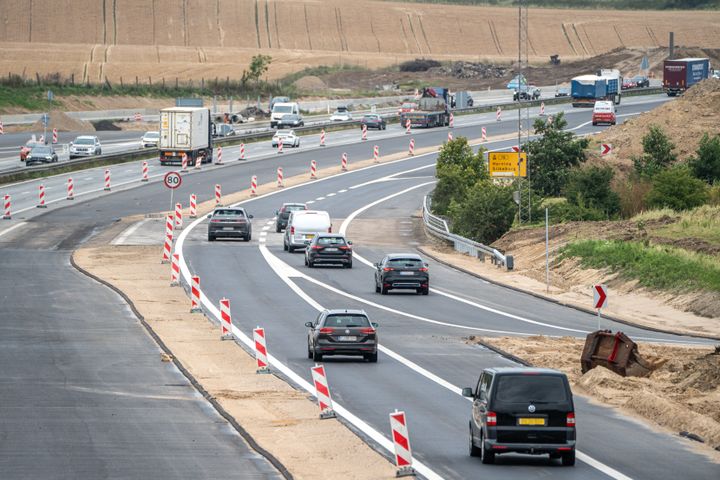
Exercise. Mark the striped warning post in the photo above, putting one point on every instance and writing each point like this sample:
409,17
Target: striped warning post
364,132
41,200
260,350
280,181
198,162
407,127
178,216
218,195
193,205
451,121
280,147
450,137
55,136
322,137
498,113
411,148
175,270
313,170
542,109
107,180
144,172
195,295
484,134
253,186
42,139
7,203
322,391
225,320
242,151
167,246
219,155
343,162
138,117
376,154
184,162
2,130
70,189
401,439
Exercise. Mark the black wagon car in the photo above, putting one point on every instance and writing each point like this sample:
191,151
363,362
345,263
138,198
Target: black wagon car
290,120
329,248
402,271
41,154
342,332
522,410
229,223
373,120
282,215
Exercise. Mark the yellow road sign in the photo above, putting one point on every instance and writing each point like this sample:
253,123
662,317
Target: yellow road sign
505,164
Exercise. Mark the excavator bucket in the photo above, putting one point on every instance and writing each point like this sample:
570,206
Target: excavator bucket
616,352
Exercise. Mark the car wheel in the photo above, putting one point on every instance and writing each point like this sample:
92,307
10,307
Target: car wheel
383,291
474,451
277,229
211,238
310,263
371,357
426,290
290,249
348,265
488,457
568,459
317,356
285,247
310,352
248,237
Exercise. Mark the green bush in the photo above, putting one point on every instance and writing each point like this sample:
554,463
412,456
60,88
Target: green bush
657,153
561,212
706,165
458,168
590,187
485,214
676,188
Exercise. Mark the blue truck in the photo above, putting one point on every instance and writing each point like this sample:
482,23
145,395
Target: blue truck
585,90
683,73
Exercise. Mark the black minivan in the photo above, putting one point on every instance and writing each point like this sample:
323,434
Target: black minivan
522,410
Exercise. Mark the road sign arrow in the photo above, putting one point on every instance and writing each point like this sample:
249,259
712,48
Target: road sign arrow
605,148
600,296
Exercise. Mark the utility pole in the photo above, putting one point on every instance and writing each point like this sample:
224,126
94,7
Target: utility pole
523,105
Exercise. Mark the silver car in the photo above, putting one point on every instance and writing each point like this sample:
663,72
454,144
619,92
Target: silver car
85,146
150,139
287,137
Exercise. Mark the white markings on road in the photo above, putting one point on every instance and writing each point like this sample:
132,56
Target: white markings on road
127,232
331,194
10,229
343,190
310,202
318,199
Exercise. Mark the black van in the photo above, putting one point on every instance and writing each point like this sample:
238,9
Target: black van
522,410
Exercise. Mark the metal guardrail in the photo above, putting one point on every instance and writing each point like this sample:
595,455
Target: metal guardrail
438,227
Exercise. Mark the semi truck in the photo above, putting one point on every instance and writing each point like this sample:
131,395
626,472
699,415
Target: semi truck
433,109
683,73
585,90
185,130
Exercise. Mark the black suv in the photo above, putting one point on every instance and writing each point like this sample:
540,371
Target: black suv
402,270
229,222
329,248
282,215
522,410
342,332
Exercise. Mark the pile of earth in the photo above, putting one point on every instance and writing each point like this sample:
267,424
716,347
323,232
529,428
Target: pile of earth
63,123
310,83
472,70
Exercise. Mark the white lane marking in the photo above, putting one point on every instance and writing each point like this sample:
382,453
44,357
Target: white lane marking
318,199
331,194
266,228
10,229
88,178
127,232
310,202
24,193
343,190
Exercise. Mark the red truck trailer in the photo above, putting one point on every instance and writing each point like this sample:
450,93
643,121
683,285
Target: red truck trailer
683,73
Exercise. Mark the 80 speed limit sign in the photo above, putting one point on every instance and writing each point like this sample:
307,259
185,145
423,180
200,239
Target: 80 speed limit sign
172,180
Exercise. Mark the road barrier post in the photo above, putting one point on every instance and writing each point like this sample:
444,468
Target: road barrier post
184,163
253,186
175,270
70,189
376,154
198,162
401,439
450,137
41,203
322,392
2,130
407,127
7,215
218,195
451,122
497,114
54,136
542,109
364,133
260,350
313,170
193,205
178,216
322,137
484,135
343,162
280,182
107,180
411,150
225,320
167,248
242,151
280,147
195,295
219,154
144,172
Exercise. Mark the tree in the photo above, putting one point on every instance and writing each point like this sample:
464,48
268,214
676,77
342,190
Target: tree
706,165
458,168
657,153
590,188
485,214
259,64
676,188
551,156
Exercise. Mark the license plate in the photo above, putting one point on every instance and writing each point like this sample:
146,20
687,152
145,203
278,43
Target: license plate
347,339
407,273
331,249
308,237
227,228
531,421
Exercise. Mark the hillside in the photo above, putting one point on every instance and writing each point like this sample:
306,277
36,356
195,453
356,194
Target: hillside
98,39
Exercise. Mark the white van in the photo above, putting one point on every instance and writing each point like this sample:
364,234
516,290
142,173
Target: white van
604,112
282,108
302,227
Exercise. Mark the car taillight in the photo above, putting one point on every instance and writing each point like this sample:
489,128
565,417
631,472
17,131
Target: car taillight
423,269
367,331
388,269
316,247
292,230
491,419
330,229
344,247
327,330
215,220
570,421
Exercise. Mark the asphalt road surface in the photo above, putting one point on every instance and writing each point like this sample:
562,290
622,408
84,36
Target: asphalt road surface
424,361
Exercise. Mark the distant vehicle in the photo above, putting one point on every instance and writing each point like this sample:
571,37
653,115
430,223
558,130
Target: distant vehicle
562,92
716,74
150,139
286,137
522,410
282,215
529,92
329,248
289,121
41,154
517,82
342,332
342,114
640,81
185,131
303,225
433,109
683,73
373,120
587,89
402,271
223,130
603,112
229,222
85,146
25,149
407,107
280,109
628,83
278,100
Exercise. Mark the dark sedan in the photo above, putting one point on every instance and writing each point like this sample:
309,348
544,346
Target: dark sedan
329,248
229,223
282,215
402,271
342,332
41,154
373,120
290,121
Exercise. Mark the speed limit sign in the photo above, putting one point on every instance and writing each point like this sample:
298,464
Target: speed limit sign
172,180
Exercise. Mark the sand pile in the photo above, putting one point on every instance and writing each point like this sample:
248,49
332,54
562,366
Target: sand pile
64,123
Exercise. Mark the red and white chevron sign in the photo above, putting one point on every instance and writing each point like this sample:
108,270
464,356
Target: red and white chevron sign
600,296
605,148
515,148
401,439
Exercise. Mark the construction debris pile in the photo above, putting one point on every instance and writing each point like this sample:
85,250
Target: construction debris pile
473,70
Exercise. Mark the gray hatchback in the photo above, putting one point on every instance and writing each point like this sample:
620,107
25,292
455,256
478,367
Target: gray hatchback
229,223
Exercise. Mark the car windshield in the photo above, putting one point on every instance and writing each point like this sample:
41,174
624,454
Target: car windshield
152,135
405,262
41,151
292,208
284,133
408,105
84,141
283,109
229,213
331,241
347,320
370,117
531,389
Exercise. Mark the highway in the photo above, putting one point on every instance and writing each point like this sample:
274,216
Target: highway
424,358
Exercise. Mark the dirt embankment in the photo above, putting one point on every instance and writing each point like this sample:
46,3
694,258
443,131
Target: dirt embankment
683,395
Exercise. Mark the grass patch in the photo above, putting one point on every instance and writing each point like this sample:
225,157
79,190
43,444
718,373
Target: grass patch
658,267
702,222
320,71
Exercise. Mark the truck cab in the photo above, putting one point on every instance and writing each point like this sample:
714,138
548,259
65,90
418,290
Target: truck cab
281,109
604,112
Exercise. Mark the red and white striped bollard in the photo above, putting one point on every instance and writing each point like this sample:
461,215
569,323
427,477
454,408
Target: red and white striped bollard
411,148
195,295
55,136
225,320
376,154
178,216
280,147
184,163
219,155
42,139
2,130
497,114
198,162
175,270
313,169
451,121
167,244
450,137
70,189
343,162
8,214
280,181
484,134
253,186
218,195
107,180
322,391
364,132
144,172
193,205
41,202
542,109
260,350
322,137
242,151
407,127
401,439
